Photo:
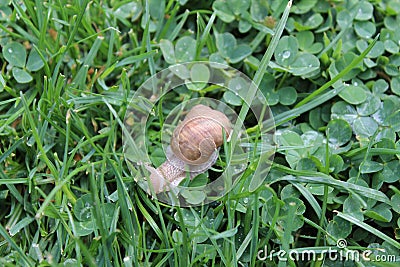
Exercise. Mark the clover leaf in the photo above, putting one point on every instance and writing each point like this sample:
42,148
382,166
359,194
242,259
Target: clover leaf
339,132
353,94
338,228
156,15
21,76
365,126
34,62
83,211
370,105
286,51
287,95
395,85
15,54
229,11
183,51
364,10
229,50
380,212
312,22
306,43
199,77
289,59
365,29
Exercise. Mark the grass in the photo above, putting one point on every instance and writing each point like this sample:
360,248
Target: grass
69,198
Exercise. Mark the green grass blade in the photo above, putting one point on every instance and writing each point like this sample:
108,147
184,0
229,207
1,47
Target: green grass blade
369,228
320,178
315,102
261,71
351,66
27,261
310,198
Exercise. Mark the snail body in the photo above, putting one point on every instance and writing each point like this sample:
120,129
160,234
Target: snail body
193,148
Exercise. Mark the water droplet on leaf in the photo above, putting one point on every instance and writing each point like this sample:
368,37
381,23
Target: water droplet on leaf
286,54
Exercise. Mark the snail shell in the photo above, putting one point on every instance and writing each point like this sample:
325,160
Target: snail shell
193,147
199,135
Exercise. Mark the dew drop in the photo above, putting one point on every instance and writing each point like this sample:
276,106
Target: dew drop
10,50
286,54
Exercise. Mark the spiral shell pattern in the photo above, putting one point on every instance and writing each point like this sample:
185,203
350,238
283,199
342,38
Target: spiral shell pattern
199,135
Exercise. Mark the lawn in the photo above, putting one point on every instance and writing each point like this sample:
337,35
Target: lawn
91,92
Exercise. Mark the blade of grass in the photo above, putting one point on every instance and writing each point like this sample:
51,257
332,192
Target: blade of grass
213,241
310,198
36,136
12,149
14,112
171,18
26,19
260,72
184,253
43,22
99,214
349,67
80,78
205,35
179,27
322,219
369,228
134,59
64,49
27,261
295,112
287,234
146,44
59,187
264,63
127,219
373,151
10,185
254,232
321,178
245,108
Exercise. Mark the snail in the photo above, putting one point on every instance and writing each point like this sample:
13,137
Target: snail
193,147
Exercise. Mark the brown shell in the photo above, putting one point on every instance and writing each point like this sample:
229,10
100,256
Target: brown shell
198,136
